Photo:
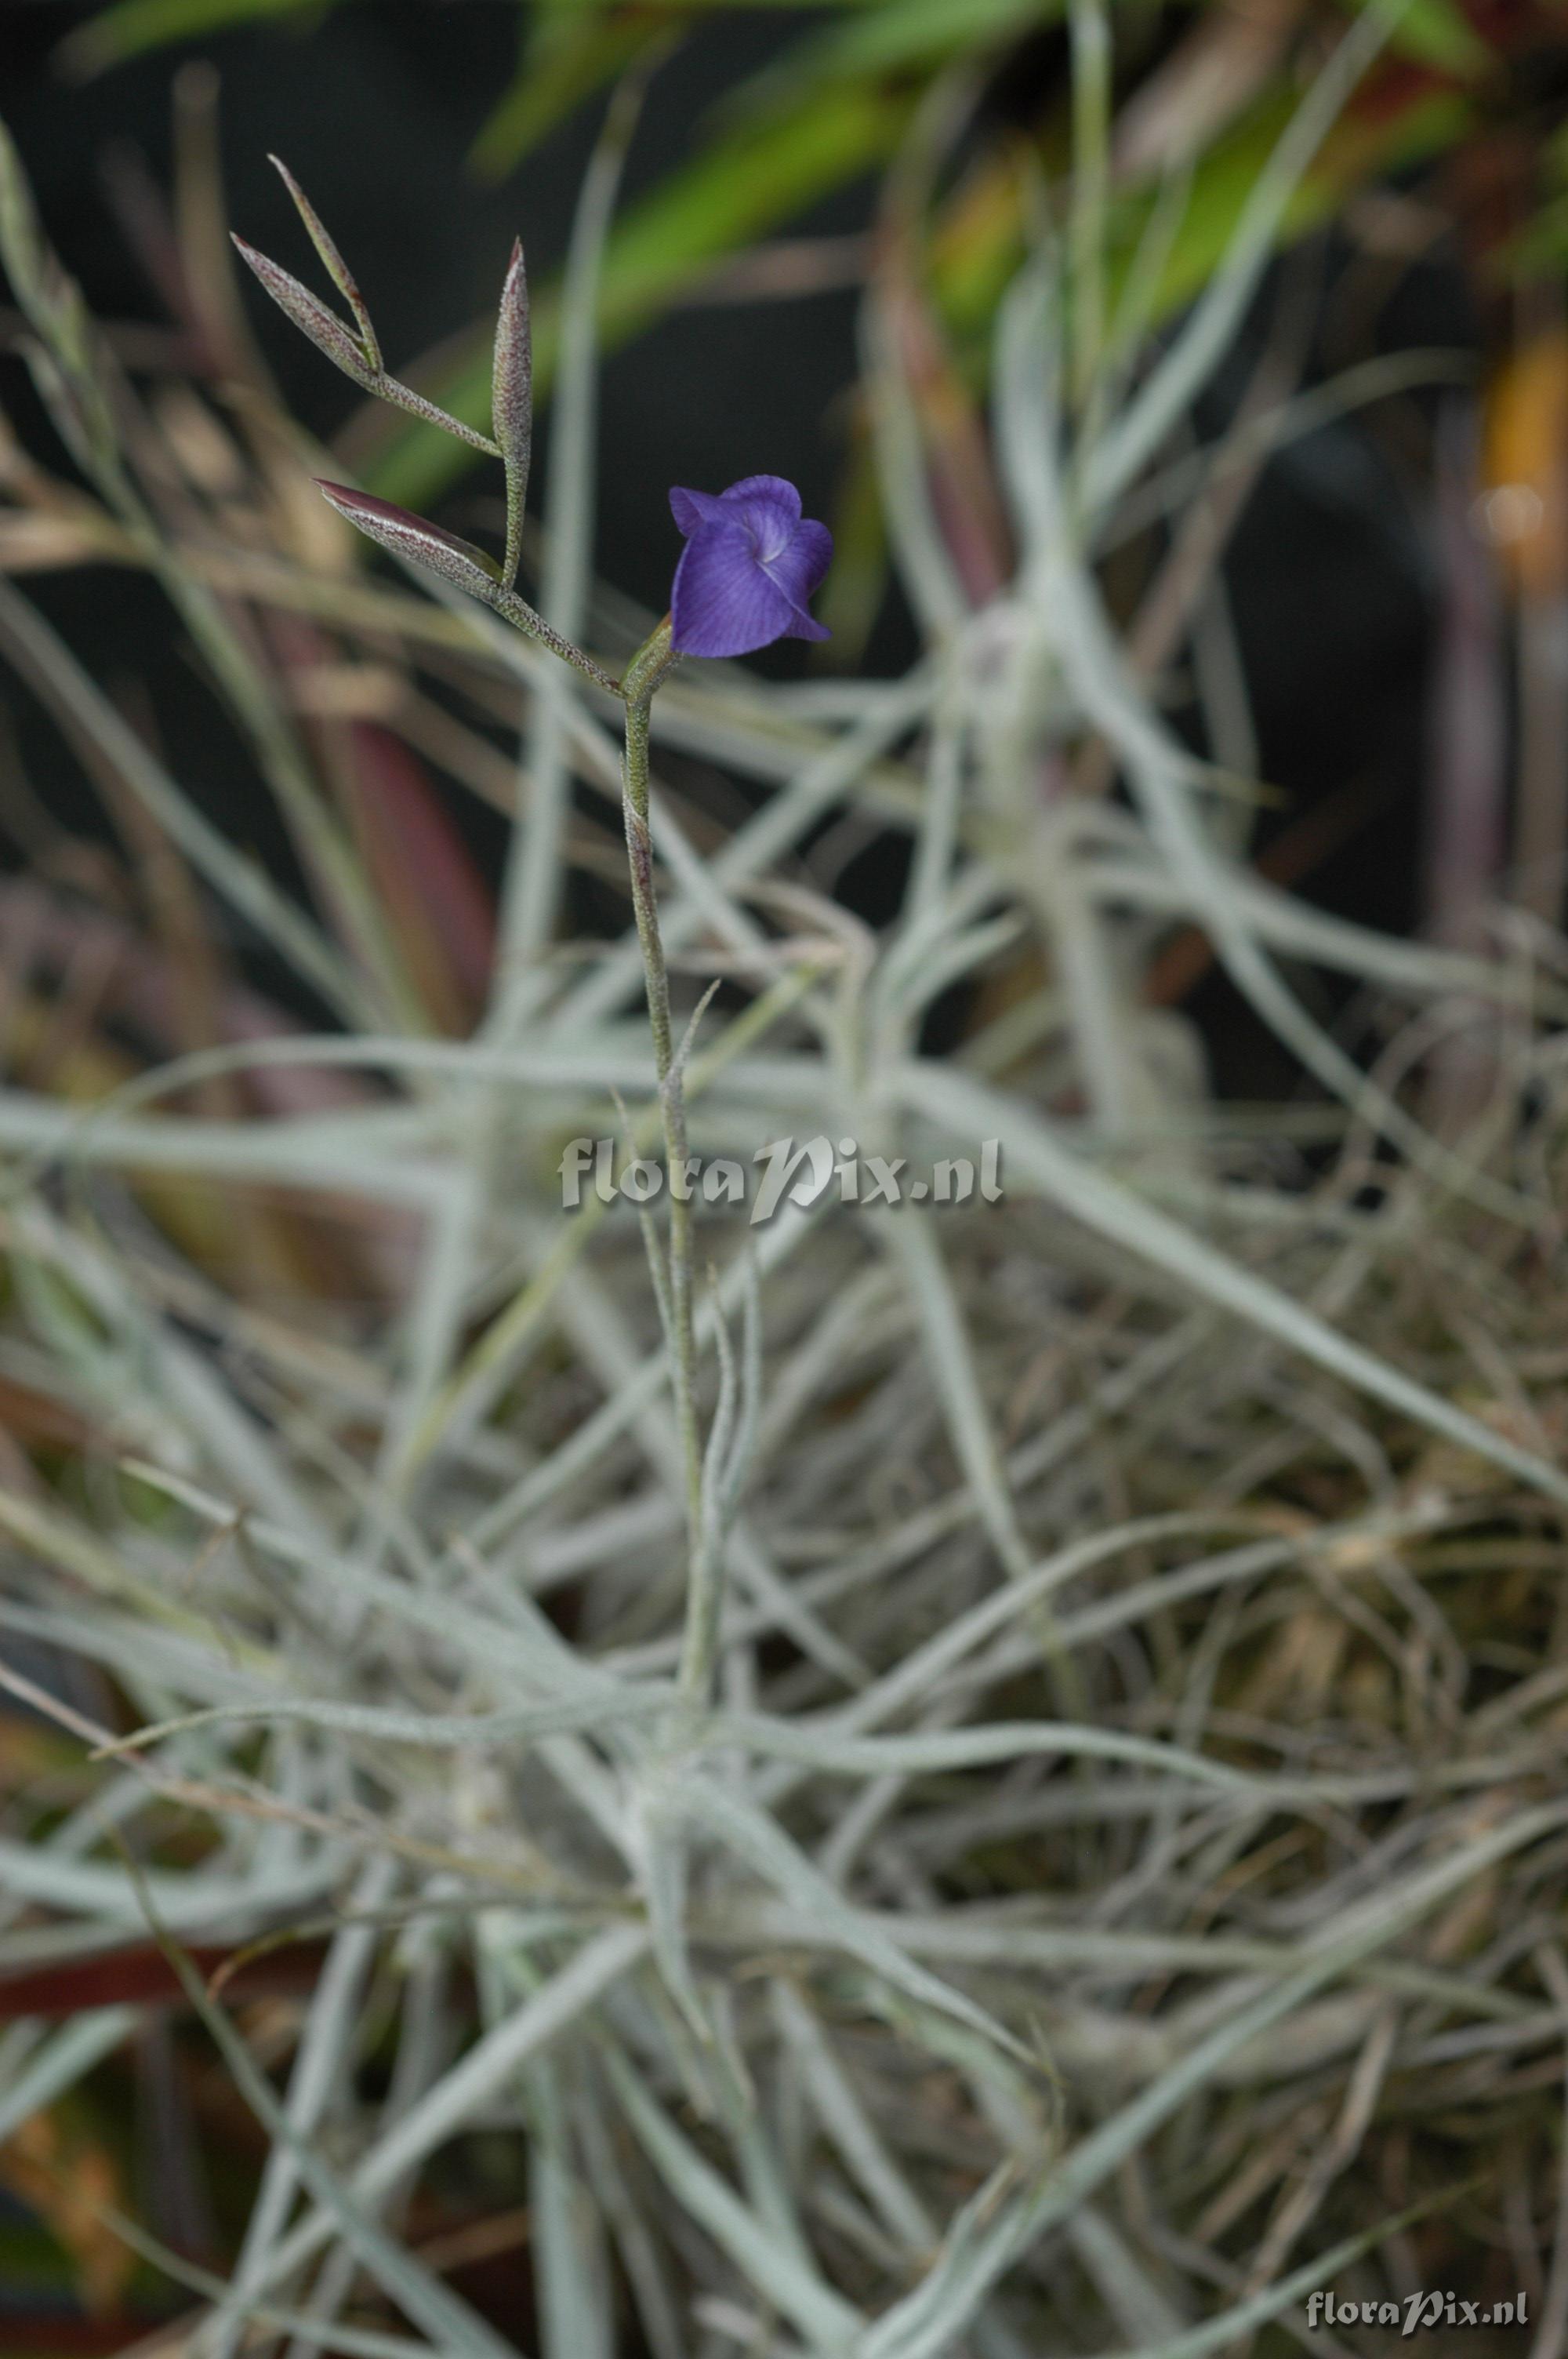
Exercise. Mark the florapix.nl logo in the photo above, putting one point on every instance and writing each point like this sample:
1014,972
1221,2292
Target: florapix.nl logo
805,1172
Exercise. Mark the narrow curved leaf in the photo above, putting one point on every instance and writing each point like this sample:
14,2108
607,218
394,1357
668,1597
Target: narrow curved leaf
337,269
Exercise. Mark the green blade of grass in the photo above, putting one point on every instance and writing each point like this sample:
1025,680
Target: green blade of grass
898,36
1439,34
568,58
134,26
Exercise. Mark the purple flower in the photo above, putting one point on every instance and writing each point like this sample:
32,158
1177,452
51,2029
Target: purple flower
751,562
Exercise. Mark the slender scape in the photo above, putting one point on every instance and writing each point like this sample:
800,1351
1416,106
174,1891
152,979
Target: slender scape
750,563
653,661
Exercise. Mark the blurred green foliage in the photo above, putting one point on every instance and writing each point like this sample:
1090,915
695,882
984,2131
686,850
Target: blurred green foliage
129,26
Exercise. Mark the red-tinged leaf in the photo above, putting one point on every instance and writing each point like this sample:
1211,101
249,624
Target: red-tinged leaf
53,2335
33,1415
415,538
337,269
139,1974
512,401
311,316
426,878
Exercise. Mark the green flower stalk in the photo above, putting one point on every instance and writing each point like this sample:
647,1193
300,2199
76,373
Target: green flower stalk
651,665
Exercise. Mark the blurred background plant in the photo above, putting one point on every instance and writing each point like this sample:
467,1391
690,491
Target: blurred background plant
1120,1886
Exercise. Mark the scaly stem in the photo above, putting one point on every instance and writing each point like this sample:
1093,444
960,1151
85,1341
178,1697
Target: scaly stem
648,667
518,612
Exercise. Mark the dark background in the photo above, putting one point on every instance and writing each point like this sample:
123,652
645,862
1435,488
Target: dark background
375,108
1332,571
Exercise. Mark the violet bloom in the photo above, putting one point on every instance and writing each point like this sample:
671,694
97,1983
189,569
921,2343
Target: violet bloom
751,562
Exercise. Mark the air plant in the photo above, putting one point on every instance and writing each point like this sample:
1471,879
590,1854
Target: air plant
837,2019
750,563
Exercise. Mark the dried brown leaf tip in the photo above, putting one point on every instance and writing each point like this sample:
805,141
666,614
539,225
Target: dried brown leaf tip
416,538
511,400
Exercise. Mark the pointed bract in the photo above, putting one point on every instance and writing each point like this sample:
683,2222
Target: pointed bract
337,269
324,328
459,562
511,400
357,359
415,537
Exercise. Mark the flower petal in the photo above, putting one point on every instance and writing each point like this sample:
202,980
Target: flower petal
691,509
803,626
723,603
798,570
774,490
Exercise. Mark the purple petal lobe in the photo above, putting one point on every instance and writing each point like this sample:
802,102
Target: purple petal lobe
722,602
774,490
693,508
798,570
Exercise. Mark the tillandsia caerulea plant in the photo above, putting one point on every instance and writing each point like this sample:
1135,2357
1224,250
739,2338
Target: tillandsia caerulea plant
750,563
